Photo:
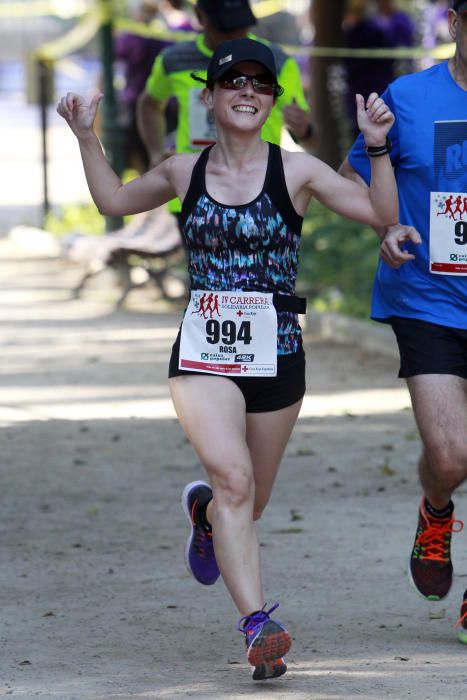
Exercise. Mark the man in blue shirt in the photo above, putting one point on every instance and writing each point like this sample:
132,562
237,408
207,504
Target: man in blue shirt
420,288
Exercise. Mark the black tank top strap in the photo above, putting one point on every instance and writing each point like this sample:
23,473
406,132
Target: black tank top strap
276,188
197,185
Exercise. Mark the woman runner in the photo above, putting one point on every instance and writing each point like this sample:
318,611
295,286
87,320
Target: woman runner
243,206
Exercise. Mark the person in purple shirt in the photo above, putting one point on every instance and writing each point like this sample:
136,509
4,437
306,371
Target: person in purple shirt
138,53
387,28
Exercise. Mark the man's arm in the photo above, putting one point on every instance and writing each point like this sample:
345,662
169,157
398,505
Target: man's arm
150,109
295,110
298,122
109,194
151,126
392,237
348,172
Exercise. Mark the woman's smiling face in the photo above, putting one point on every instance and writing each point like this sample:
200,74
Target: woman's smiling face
243,109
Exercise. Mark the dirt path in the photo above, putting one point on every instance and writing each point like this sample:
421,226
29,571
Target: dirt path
96,602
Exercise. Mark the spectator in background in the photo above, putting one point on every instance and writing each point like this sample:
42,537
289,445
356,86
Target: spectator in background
280,27
292,30
434,28
175,16
387,27
137,54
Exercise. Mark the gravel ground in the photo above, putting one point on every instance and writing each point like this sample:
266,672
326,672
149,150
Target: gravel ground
96,601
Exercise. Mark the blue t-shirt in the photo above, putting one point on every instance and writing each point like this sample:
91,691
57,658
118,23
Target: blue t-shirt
429,155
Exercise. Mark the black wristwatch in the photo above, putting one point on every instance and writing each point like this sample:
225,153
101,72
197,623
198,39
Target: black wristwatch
376,151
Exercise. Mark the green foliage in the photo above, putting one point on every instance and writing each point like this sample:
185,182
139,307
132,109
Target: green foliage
337,262
81,218
76,218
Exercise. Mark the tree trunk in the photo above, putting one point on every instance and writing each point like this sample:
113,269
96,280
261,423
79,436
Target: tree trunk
327,19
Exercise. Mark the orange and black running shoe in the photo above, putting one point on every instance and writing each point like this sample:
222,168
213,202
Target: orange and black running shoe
430,567
462,622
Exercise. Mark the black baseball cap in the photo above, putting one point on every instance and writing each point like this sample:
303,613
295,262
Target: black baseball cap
227,15
229,53
460,6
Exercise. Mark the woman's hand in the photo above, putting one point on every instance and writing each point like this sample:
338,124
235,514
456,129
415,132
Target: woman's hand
78,114
374,119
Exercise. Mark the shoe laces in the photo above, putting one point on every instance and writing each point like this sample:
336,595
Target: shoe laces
202,540
434,539
462,621
248,623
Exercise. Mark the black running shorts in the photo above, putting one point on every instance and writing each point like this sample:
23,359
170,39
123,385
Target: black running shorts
261,394
427,348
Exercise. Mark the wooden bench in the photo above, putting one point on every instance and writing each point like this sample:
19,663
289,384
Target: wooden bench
151,242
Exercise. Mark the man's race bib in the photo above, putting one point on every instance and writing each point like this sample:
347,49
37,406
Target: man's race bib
201,121
448,233
230,333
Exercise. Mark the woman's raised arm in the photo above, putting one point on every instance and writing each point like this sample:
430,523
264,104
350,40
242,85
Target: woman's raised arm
378,205
111,197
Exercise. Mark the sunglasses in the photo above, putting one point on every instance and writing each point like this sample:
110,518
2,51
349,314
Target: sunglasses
262,83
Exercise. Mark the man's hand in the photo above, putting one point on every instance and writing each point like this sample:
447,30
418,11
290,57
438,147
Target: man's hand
391,251
297,120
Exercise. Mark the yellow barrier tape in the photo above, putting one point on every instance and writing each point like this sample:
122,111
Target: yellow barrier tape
441,52
155,30
88,27
75,39
43,8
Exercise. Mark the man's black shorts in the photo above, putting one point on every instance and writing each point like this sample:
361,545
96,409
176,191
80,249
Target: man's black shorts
262,394
427,348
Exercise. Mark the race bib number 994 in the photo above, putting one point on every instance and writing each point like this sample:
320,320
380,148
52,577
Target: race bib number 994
230,333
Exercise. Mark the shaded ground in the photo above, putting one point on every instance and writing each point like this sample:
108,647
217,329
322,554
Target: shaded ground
96,602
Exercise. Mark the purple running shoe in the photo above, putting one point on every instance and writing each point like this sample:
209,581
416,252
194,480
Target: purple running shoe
267,641
271,669
199,551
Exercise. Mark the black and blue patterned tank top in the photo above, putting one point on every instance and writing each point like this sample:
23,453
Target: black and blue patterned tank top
251,247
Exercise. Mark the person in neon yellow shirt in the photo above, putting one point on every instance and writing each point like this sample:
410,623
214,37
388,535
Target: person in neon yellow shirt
171,75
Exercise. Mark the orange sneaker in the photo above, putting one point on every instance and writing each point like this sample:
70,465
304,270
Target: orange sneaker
430,568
